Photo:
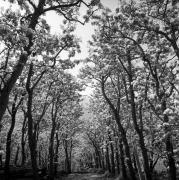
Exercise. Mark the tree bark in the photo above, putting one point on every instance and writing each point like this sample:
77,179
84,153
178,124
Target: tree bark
123,166
112,155
138,164
8,143
16,156
56,152
68,167
51,151
108,165
31,133
117,159
4,95
23,140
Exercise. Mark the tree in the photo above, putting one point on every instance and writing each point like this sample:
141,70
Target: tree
24,29
18,96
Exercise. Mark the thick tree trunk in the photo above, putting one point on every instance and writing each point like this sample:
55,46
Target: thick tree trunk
138,164
123,167
4,96
8,144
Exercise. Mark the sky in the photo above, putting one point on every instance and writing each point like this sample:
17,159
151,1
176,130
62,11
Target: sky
84,32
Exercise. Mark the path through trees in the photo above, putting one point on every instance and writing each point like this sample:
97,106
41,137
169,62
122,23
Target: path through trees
127,128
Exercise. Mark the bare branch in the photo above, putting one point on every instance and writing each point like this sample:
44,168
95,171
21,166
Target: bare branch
39,78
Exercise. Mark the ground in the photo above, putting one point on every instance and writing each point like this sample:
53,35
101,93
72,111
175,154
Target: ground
88,176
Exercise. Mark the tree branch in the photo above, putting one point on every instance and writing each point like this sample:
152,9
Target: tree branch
62,6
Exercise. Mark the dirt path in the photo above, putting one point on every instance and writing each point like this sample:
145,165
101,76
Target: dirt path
89,176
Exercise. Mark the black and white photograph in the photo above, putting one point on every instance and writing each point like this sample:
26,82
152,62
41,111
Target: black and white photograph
89,89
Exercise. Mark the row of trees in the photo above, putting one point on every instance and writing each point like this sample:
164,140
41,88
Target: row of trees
39,99
133,65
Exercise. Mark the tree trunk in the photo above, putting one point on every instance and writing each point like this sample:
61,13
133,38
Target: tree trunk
31,133
123,167
127,151
68,167
102,160
138,164
8,143
51,151
112,155
23,155
117,159
56,153
16,156
108,165
4,96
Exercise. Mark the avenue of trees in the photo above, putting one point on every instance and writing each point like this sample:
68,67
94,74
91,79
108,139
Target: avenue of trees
133,66
132,124
39,99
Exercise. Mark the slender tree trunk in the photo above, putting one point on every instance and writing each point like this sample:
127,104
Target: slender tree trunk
40,158
51,151
117,159
23,155
56,152
8,143
108,165
31,133
32,141
112,155
16,156
68,167
102,160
